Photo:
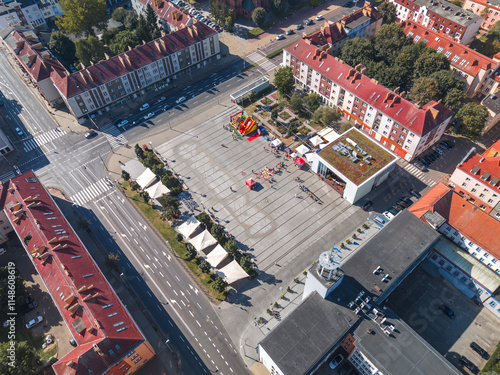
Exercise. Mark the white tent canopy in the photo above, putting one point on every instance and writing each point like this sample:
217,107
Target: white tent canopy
146,178
188,227
157,190
325,131
309,156
316,140
276,142
332,136
203,240
232,272
216,256
302,150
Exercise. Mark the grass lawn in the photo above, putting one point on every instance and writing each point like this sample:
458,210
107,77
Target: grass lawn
38,342
284,115
168,233
266,101
493,363
275,53
304,130
255,32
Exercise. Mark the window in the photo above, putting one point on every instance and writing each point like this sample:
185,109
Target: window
464,184
481,195
473,190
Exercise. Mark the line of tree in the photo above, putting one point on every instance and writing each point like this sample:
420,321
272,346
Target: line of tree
221,14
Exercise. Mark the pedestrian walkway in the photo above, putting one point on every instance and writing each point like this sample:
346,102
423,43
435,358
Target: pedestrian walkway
91,192
7,176
41,139
260,59
420,175
113,136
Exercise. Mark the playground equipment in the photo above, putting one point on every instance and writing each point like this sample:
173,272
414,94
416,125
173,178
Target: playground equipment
243,123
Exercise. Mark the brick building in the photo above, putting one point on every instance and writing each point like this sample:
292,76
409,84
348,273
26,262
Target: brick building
440,16
107,338
493,11
403,127
362,23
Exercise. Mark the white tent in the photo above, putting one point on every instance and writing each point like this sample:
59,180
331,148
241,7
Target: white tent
332,136
232,272
203,240
276,142
188,227
134,167
146,178
216,256
309,156
324,132
302,150
157,190
316,140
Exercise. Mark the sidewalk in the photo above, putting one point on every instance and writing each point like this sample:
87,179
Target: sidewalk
256,331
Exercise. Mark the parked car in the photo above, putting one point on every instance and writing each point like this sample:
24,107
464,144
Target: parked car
468,364
149,115
406,199
447,310
166,107
122,123
279,37
447,144
90,134
34,322
403,203
308,22
72,342
397,208
438,150
144,107
27,308
161,99
299,26
2,251
367,205
420,166
388,215
319,17
180,100
415,193
289,32
483,353
393,211
336,361
19,131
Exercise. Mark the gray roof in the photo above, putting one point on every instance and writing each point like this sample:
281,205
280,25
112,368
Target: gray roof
395,249
307,334
492,102
450,11
358,21
434,219
404,352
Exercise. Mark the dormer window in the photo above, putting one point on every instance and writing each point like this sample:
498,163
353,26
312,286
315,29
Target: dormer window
475,170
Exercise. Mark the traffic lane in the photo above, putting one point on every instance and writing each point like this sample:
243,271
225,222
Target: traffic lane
177,298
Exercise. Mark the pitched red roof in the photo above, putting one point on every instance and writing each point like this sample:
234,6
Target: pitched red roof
169,13
88,304
460,56
468,219
107,70
419,120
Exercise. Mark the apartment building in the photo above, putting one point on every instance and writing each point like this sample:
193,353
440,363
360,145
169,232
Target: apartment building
108,341
362,23
440,16
492,104
468,64
492,8
169,15
405,128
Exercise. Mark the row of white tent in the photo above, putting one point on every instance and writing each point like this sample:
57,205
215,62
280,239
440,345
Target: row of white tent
231,272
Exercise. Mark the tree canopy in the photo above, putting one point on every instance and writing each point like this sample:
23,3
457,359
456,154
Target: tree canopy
119,14
389,41
357,51
27,359
388,10
259,16
278,7
430,62
81,16
326,115
283,80
424,90
90,49
62,46
122,41
473,117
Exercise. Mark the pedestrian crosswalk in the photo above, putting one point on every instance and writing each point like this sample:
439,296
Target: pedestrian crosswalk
420,175
41,139
260,59
113,135
91,192
7,176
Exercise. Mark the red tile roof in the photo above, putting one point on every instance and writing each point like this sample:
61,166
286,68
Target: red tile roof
419,120
461,57
488,162
107,70
88,304
170,13
468,219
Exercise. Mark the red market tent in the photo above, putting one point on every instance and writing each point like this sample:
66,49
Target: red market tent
299,162
251,183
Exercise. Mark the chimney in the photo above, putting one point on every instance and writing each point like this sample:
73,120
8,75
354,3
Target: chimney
83,77
434,112
106,56
358,67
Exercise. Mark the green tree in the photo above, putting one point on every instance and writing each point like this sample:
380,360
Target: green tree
259,16
357,51
152,23
205,220
296,103
90,49
130,21
447,80
168,201
455,99
389,11
134,186
245,263
122,41
473,117
142,30
292,128
205,266
190,251
457,3
62,46
139,151
313,101
84,223
284,81
274,113
81,16
109,34
27,359
278,7
145,197
389,41
112,260
4,290
217,232
120,14
430,62
231,247
326,115
229,20
424,90
125,175
484,13
392,76
219,285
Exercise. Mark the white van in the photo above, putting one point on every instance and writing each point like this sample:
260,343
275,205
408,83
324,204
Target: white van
122,123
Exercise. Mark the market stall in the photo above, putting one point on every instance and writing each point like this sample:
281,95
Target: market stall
251,183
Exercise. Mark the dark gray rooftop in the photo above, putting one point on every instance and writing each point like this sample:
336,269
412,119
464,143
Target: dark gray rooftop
395,249
450,11
434,218
358,21
492,102
307,334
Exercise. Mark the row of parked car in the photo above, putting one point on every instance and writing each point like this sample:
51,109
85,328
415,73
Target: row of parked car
432,155
300,26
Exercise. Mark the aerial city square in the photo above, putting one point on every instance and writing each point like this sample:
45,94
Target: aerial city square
284,187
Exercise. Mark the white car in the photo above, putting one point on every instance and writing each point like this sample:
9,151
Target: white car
122,123
319,18
279,37
144,107
161,99
34,322
336,361
149,115
180,100
389,216
19,131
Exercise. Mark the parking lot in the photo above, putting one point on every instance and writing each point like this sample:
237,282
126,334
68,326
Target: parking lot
417,301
